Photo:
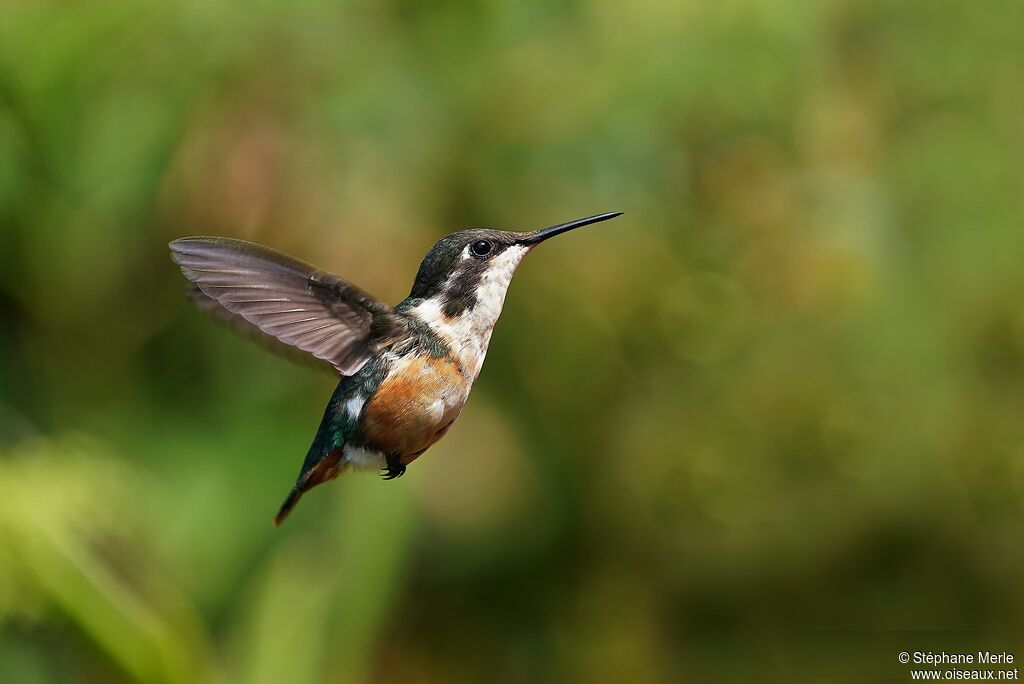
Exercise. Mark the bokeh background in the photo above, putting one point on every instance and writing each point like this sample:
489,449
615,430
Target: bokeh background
767,426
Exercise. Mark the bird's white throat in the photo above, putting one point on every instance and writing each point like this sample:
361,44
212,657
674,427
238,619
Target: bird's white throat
469,333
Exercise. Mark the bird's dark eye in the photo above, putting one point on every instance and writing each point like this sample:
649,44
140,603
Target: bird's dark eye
481,248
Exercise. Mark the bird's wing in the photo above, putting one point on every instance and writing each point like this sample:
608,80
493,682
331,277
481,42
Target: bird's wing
288,299
239,325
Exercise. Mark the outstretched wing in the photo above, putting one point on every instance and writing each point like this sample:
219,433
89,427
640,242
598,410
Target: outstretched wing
288,299
239,325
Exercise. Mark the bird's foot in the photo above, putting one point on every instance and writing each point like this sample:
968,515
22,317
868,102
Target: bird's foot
395,467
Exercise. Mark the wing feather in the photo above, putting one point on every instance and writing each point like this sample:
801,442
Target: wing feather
241,326
287,299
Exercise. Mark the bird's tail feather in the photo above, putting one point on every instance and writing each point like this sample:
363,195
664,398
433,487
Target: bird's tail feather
327,468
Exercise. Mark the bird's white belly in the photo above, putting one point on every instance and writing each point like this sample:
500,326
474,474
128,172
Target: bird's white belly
358,458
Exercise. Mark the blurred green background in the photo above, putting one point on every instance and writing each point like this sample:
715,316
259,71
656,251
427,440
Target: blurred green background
766,426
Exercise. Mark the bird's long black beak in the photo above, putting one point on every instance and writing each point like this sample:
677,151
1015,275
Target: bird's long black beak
543,234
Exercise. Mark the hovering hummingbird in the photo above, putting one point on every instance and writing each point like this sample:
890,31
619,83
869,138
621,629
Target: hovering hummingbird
406,370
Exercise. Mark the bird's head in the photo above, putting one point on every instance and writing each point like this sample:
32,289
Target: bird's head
470,270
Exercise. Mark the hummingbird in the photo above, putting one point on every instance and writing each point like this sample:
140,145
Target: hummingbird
406,370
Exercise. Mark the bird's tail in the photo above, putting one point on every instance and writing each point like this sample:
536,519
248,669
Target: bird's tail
322,470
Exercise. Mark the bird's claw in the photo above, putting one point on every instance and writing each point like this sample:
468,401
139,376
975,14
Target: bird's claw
395,468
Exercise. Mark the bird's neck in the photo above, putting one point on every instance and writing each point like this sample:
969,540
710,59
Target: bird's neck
464,319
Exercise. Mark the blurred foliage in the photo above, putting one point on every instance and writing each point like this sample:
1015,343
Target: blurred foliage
766,426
